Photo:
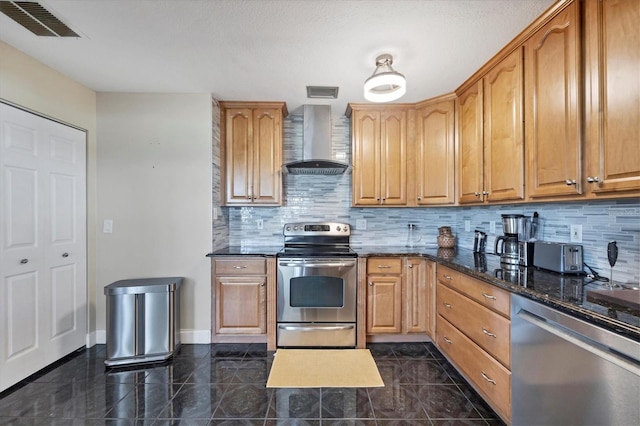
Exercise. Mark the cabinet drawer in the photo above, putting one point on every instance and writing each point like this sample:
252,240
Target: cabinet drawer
447,276
384,265
486,328
483,293
490,377
240,266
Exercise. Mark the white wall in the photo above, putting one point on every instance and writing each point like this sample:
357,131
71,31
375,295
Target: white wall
154,182
32,85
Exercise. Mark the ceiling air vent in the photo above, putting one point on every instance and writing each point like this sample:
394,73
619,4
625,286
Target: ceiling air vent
322,92
35,18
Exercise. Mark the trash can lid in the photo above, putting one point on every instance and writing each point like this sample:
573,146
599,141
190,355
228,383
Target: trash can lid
143,285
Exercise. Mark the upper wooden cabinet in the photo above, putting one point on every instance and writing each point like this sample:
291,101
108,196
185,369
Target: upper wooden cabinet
553,107
470,155
433,153
252,152
503,130
612,97
491,135
379,155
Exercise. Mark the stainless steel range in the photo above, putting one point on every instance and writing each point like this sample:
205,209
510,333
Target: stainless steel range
317,275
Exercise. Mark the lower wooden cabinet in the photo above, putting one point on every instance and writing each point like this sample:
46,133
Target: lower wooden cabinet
240,297
473,330
397,295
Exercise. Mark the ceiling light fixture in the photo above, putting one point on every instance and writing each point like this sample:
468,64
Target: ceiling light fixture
385,84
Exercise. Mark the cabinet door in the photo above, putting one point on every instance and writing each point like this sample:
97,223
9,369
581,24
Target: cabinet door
267,147
393,151
241,305
384,297
613,95
435,159
552,75
503,130
470,145
416,296
239,158
366,158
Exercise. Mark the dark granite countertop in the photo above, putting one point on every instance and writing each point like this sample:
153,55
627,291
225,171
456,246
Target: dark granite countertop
263,251
568,293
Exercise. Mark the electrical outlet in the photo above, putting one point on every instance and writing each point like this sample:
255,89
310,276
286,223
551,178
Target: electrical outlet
576,233
361,224
492,226
467,225
260,223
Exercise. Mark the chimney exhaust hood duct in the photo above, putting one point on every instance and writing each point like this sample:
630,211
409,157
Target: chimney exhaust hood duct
316,156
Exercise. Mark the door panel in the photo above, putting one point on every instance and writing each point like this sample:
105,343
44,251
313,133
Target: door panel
43,294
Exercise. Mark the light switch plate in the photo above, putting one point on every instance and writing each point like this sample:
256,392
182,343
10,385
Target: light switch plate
107,226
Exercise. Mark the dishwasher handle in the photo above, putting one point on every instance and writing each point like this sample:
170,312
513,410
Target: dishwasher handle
597,348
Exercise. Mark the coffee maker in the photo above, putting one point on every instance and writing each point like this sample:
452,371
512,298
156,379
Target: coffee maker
507,245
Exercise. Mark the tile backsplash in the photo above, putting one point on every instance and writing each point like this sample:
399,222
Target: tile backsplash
318,198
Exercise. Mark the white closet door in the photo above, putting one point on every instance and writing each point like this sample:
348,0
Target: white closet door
43,300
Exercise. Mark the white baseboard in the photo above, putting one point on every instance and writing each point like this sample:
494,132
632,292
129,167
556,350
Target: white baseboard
101,337
186,336
90,339
195,336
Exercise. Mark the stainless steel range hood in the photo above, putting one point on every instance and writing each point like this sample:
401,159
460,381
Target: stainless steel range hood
316,155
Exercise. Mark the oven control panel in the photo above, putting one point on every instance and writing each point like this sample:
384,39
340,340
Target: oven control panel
316,229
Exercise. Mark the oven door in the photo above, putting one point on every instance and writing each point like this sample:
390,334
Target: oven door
317,290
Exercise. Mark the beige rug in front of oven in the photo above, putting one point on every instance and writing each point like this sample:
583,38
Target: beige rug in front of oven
324,368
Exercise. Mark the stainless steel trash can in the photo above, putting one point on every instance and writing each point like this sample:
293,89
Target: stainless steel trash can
143,320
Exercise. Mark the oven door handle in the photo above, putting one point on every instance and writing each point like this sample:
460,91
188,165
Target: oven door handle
319,264
315,328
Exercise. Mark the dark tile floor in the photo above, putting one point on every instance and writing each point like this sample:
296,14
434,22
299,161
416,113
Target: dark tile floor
224,384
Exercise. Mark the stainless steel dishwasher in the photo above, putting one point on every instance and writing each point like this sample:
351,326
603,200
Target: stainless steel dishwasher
566,371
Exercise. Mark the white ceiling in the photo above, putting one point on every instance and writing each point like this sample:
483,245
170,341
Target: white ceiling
270,50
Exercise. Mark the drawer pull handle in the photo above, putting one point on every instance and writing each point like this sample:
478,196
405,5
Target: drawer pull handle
447,340
239,267
448,277
384,266
484,376
447,305
488,333
488,296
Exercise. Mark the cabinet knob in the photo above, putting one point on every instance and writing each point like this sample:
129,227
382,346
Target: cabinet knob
570,182
448,277
447,305
419,198
477,194
262,284
485,192
370,283
593,179
410,266
65,254
23,261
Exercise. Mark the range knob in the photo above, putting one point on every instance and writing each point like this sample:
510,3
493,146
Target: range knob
295,228
288,228
346,228
338,228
